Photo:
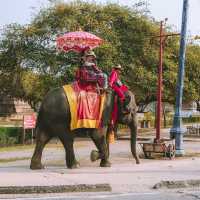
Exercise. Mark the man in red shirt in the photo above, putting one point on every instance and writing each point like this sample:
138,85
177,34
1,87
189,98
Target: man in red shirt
117,86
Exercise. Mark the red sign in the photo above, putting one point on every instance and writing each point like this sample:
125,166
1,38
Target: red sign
29,121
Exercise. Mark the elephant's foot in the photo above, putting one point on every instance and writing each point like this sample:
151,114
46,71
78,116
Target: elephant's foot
75,165
36,165
94,155
137,161
105,163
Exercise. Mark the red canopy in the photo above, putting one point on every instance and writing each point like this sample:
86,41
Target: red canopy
77,41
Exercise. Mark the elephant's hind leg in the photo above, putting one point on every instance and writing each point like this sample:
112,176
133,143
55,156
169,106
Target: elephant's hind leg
68,143
42,138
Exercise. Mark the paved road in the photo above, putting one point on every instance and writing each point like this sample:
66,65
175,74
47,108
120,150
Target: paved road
125,177
167,195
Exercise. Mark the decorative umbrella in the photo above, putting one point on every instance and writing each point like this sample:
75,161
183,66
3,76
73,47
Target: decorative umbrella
78,41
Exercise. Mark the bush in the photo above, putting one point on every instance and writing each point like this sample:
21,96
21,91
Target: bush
9,135
192,119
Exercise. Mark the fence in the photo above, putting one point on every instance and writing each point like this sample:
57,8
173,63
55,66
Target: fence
193,130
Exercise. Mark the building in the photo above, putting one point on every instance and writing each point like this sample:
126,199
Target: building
13,110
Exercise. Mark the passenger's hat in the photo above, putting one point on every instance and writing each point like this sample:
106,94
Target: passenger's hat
118,67
89,53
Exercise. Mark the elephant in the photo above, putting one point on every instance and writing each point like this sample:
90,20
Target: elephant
54,121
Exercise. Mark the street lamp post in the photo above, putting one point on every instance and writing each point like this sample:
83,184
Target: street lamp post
178,129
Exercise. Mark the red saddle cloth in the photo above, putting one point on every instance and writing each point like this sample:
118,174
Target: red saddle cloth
86,105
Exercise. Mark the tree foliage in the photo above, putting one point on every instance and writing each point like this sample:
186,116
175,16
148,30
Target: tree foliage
30,64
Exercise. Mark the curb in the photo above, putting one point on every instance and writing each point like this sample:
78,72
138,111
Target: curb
177,184
55,189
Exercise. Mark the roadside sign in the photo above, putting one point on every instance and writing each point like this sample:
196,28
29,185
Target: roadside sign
29,121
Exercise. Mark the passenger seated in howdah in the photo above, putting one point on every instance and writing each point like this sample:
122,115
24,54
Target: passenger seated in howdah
89,73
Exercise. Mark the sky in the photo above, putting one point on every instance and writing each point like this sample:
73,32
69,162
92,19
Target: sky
21,11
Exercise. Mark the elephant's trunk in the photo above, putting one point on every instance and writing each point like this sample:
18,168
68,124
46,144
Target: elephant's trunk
133,128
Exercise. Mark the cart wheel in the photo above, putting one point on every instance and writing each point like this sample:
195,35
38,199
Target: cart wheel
170,151
147,154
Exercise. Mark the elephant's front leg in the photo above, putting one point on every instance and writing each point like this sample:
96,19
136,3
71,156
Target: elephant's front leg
100,142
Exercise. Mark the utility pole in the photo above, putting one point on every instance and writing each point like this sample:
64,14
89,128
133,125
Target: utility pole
178,129
159,145
162,38
159,89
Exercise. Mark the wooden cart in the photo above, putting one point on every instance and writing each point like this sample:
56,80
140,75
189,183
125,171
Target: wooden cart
164,146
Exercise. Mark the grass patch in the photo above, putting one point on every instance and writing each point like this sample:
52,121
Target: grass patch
16,148
27,147
6,160
30,147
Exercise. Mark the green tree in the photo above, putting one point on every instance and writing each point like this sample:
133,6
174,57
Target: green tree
30,64
193,74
